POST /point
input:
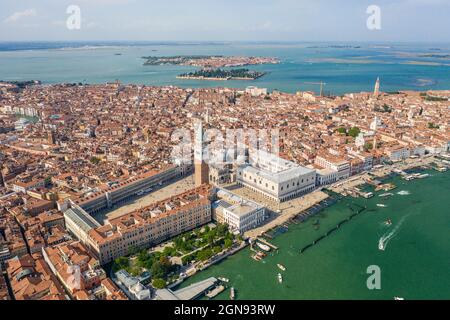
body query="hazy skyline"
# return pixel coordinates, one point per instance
(226, 20)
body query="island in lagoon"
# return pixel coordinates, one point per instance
(204, 61)
(221, 74)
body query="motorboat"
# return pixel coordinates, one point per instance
(232, 293)
(281, 267)
(263, 247)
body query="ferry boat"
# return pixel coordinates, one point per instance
(281, 267)
(280, 278)
(263, 247)
(232, 293)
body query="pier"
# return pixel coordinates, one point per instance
(189, 293)
(267, 243)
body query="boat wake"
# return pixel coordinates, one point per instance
(388, 236)
(404, 193)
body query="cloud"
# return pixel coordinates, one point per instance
(20, 14)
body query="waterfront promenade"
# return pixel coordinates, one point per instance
(282, 213)
(362, 178)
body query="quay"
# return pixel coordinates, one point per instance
(301, 205)
(347, 187)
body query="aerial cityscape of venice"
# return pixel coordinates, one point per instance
(224, 151)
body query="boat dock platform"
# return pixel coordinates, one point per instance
(215, 292)
(192, 292)
(267, 243)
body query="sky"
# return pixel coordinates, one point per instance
(225, 20)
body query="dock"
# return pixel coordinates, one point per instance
(192, 292)
(267, 243)
(215, 292)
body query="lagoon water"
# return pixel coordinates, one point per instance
(414, 265)
(343, 67)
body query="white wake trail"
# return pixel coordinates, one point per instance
(388, 236)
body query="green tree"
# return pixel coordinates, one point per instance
(368, 146)
(122, 263)
(205, 254)
(228, 243)
(159, 283)
(354, 132)
(342, 130)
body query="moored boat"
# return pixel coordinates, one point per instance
(263, 247)
(384, 195)
(281, 267)
(232, 293)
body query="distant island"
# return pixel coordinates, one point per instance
(220, 74)
(436, 55)
(204, 61)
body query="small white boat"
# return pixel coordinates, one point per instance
(398, 298)
(388, 222)
(381, 245)
(232, 293)
(384, 195)
(280, 278)
(263, 247)
(281, 267)
(224, 280)
(381, 205)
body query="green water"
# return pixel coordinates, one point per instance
(414, 265)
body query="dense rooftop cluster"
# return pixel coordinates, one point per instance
(79, 142)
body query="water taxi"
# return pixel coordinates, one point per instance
(263, 247)
(384, 195)
(283, 268)
(280, 278)
(215, 292)
(232, 293)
